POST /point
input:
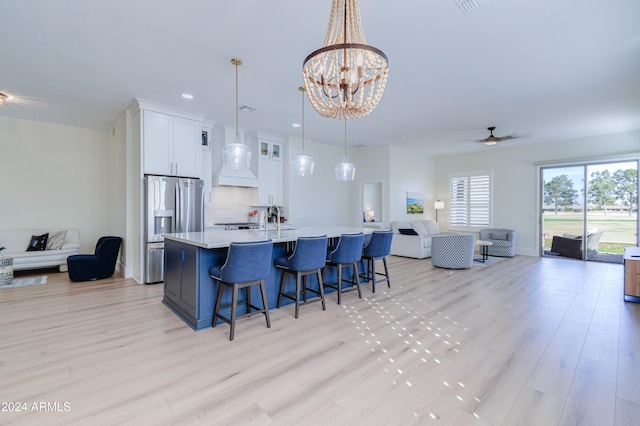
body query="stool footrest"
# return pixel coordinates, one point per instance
(292, 296)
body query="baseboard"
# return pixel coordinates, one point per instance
(527, 252)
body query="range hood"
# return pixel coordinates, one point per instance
(234, 177)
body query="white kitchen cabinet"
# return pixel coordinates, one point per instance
(269, 150)
(270, 169)
(171, 145)
(270, 172)
(270, 182)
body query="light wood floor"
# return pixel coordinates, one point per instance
(531, 341)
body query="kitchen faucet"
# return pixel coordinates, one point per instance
(275, 209)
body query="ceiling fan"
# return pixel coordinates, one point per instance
(492, 140)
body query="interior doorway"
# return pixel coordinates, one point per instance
(372, 202)
(589, 211)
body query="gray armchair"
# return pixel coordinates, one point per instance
(503, 241)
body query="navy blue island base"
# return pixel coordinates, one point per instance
(190, 292)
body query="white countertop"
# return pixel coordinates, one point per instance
(218, 239)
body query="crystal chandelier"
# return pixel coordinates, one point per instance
(302, 165)
(346, 77)
(345, 171)
(236, 155)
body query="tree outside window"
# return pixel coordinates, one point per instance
(560, 192)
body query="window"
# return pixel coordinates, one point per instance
(470, 195)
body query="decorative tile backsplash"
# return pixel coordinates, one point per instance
(230, 204)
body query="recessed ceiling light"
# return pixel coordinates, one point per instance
(247, 108)
(187, 96)
(296, 124)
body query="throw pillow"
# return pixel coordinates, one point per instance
(56, 240)
(407, 231)
(38, 242)
(499, 236)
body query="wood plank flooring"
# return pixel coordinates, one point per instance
(526, 341)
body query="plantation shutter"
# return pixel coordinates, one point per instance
(470, 200)
(479, 201)
(458, 215)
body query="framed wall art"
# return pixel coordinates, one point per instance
(415, 203)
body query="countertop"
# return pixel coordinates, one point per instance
(218, 239)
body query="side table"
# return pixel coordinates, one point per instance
(632, 274)
(484, 249)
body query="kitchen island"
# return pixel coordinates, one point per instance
(189, 291)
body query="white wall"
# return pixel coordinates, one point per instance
(118, 186)
(319, 199)
(410, 171)
(515, 168)
(54, 176)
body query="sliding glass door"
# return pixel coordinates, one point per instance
(563, 210)
(589, 211)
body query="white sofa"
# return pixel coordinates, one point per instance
(417, 246)
(16, 242)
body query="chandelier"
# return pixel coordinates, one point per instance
(302, 165)
(236, 155)
(346, 77)
(345, 171)
(3, 98)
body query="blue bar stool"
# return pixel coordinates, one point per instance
(247, 264)
(377, 248)
(308, 258)
(347, 252)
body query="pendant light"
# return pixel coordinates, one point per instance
(345, 171)
(346, 77)
(302, 165)
(236, 155)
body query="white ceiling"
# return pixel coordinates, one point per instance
(544, 69)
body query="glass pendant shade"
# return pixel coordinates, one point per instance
(302, 165)
(345, 172)
(236, 155)
(346, 77)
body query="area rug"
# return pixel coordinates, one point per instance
(490, 261)
(25, 282)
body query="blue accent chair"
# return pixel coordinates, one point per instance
(308, 258)
(102, 264)
(247, 264)
(347, 252)
(377, 248)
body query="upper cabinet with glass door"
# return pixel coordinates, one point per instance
(270, 150)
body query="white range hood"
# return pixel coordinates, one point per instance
(234, 177)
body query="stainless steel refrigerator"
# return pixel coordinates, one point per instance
(172, 204)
